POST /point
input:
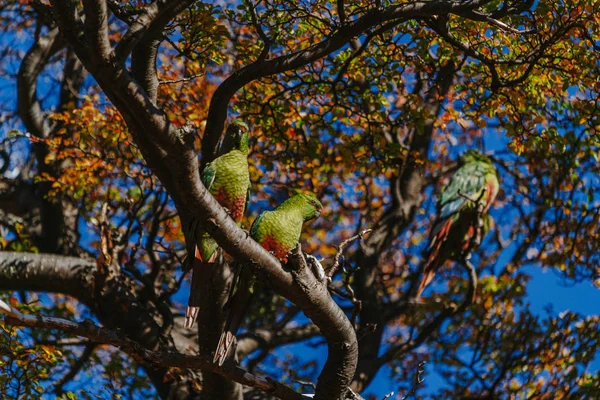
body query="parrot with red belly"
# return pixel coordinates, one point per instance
(278, 231)
(461, 210)
(228, 180)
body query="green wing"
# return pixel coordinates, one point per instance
(467, 182)
(208, 175)
(255, 226)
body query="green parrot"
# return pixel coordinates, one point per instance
(461, 213)
(278, 231)
(228, 180)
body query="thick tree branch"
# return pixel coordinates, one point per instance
(318, 305)
(34, 61)
(79, 278)
(150, 22)
(47, 273)
(96, 29)
(141, 354)
(136, 31)
(143, 61)
(151, 127)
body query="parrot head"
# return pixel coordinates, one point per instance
(236, 137)
(473, 155)
(310, 206)
(239, 127)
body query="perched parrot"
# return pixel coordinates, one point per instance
(278, 231)
(228, 180)
(461, 210)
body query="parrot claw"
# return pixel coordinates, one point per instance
(317, 268)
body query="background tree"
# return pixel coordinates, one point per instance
(108, 107)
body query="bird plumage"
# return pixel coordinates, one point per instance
(228, 180)
(461, 209)
(278, 231)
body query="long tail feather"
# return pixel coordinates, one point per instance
(428, 275)
(239, 306)
(201, 278)
(434, 260)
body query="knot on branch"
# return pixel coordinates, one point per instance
(186, 135)
(306, 268)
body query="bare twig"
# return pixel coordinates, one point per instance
(476, 201)
(336, 261)
(448, 312)
(259, 30)
(75, 368)
(418, 381)
(352, 297)
(185, 79)
(471, 294)
(140, 354)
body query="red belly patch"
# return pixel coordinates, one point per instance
(272, 245)
(234, 206)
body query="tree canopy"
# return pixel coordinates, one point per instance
(110, 109)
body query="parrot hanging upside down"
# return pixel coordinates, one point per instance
(228, 180)
(461, 207)
(278, 231)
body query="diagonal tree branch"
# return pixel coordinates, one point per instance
(142, 355)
